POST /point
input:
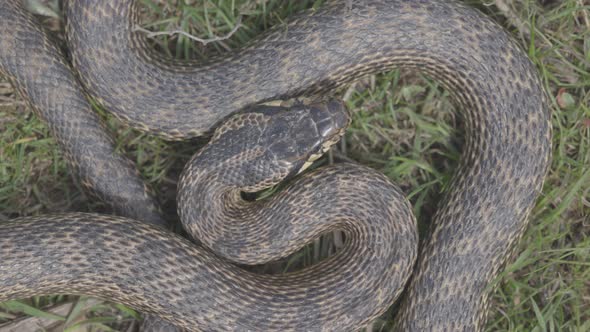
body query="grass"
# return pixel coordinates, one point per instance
(403, 125)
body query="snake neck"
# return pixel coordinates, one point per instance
(213, 210)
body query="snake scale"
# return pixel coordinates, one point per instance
(482, 215)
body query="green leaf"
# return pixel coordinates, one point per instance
(28, 310)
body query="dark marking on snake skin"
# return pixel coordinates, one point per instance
(38, 70)
(488, 200)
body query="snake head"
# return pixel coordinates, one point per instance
(300, 135)
(267, 144)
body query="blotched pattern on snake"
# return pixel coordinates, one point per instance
(483, 214)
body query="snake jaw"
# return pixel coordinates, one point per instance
(325, 147)
(331, 120)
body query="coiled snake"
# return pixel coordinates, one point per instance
(483, 214)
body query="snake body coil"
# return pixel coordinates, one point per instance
(484, 212)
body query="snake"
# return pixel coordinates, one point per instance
(481, 217)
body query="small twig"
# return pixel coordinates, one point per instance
(512, 17)
(152, 34)
(37, 7)
(584, 14)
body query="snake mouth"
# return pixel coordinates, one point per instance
(331, 120)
